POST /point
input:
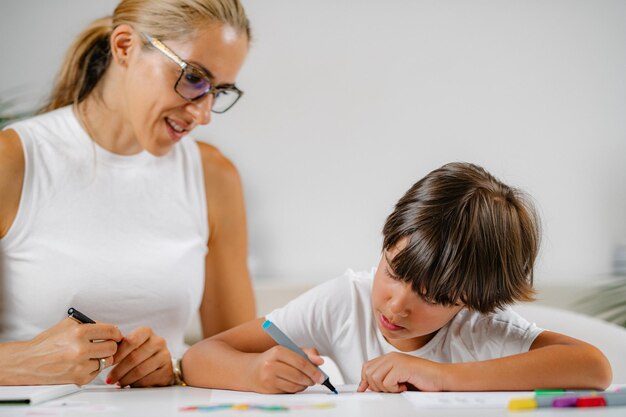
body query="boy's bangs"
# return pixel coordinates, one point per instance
(448, 274)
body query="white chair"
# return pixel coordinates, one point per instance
(609, 338)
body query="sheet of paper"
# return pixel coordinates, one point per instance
(34, 394)
(463, 399)
(316, 394)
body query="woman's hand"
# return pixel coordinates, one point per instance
(279, 370)
(67, 353)
(142, 360)
(397, 372)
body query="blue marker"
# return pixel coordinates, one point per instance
(282, 339)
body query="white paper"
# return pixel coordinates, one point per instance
(34, 394)
(312, 395)
(464, 399)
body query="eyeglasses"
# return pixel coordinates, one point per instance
(194, 83)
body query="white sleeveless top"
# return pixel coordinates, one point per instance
(123, 239)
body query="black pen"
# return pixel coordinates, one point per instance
(72, 312)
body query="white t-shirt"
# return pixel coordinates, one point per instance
(336, 318)
(123, 239)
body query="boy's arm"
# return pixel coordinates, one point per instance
(553, 361)
(245, 358)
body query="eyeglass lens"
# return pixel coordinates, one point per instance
(193, 84)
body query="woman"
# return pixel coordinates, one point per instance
(105, 206)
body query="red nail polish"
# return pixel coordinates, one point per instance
(108, 381)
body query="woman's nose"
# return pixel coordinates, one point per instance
(201, 109)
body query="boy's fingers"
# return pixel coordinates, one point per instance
(303, 365)
(314, 356)
(294, 375)
(372, 381)
(288, 386)
(362, 386)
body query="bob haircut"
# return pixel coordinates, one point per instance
(470, 239)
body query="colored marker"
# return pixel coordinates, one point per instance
(597, 401)
(282, 339)
(564, 402)
(570, 399)
(519, 404)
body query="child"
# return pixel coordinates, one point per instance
(459, 246)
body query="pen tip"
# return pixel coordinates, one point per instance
(330, 386)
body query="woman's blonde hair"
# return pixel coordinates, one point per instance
(89, 56)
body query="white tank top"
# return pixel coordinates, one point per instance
(123, 239)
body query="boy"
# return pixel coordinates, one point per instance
(459, 246)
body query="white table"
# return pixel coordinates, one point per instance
(161, 402)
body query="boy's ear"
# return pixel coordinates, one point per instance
(124, 41)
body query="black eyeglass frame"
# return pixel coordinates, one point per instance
(184, 65)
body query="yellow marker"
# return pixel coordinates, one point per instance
(240, 407)
(517, 404)
(323, 405)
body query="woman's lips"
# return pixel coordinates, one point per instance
(174, 134)
(389, 325)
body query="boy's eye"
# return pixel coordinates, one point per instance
(390, 274)
(428, 300)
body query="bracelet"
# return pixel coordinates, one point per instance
(178, 372)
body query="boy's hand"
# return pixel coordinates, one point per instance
(279, 370)
(395, 372)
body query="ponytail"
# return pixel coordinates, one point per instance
(90, 55)
(83, 66)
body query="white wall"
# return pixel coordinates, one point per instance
(349, 102)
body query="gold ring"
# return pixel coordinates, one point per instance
(102, 363)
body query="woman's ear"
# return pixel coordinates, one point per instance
(124, 40)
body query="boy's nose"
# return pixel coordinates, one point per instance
(398, 307)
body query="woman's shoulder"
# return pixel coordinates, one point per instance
(58, 124)
(11, 177)
(218, 169)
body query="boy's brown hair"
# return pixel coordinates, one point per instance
(470, 239)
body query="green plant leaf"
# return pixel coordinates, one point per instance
(607, 302)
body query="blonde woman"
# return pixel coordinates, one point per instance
(107, 206)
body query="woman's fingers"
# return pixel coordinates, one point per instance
(102, 349)
(132, 342)
(100, 331)
(153, 368)
(142, 356)
(100, 364)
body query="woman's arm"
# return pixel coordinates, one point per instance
(63, 354)
(228, 298)
(554, 361)
(11, 178)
